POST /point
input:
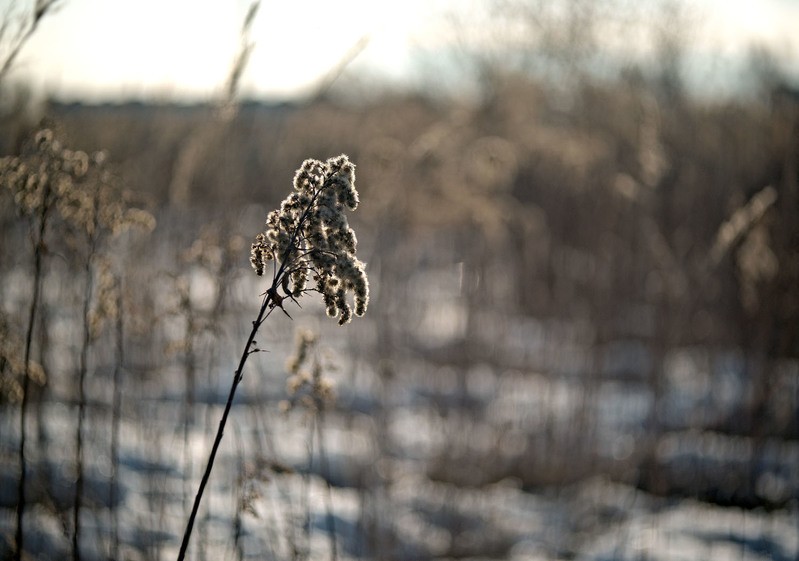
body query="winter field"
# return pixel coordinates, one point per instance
(568, 284)
(526, 440)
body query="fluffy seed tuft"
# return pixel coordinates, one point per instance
(310, 236)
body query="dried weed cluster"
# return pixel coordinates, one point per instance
(48, 176)
(70, 196)
(310, 235)
(307, 236)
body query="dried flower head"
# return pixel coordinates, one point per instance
(309, 236)
(49, 176)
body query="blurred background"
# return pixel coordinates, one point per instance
(580, 220)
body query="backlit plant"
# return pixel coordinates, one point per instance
(310, 235)
(307, 239)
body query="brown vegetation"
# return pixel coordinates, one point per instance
(532, 257)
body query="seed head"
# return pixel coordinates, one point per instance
(310, 235)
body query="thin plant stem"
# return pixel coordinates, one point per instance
(272, 300)
(38, 257)
(237, 377)
(82, 370)
(115, 423)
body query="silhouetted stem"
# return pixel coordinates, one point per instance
(237, 377)
(270, 302)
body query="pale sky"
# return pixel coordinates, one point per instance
(176, 47)
(173, 48)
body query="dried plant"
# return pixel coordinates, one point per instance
(309, 387)
(36, 179)
(49, 181)
(308, 237)
(94, 210)
(213, 256)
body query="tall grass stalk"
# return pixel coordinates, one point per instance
(308, 236)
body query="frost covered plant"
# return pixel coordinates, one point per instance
(308, 239)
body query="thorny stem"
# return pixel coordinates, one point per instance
(237, 377)
(267, 306)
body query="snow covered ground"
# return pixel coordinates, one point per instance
(513, 459)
